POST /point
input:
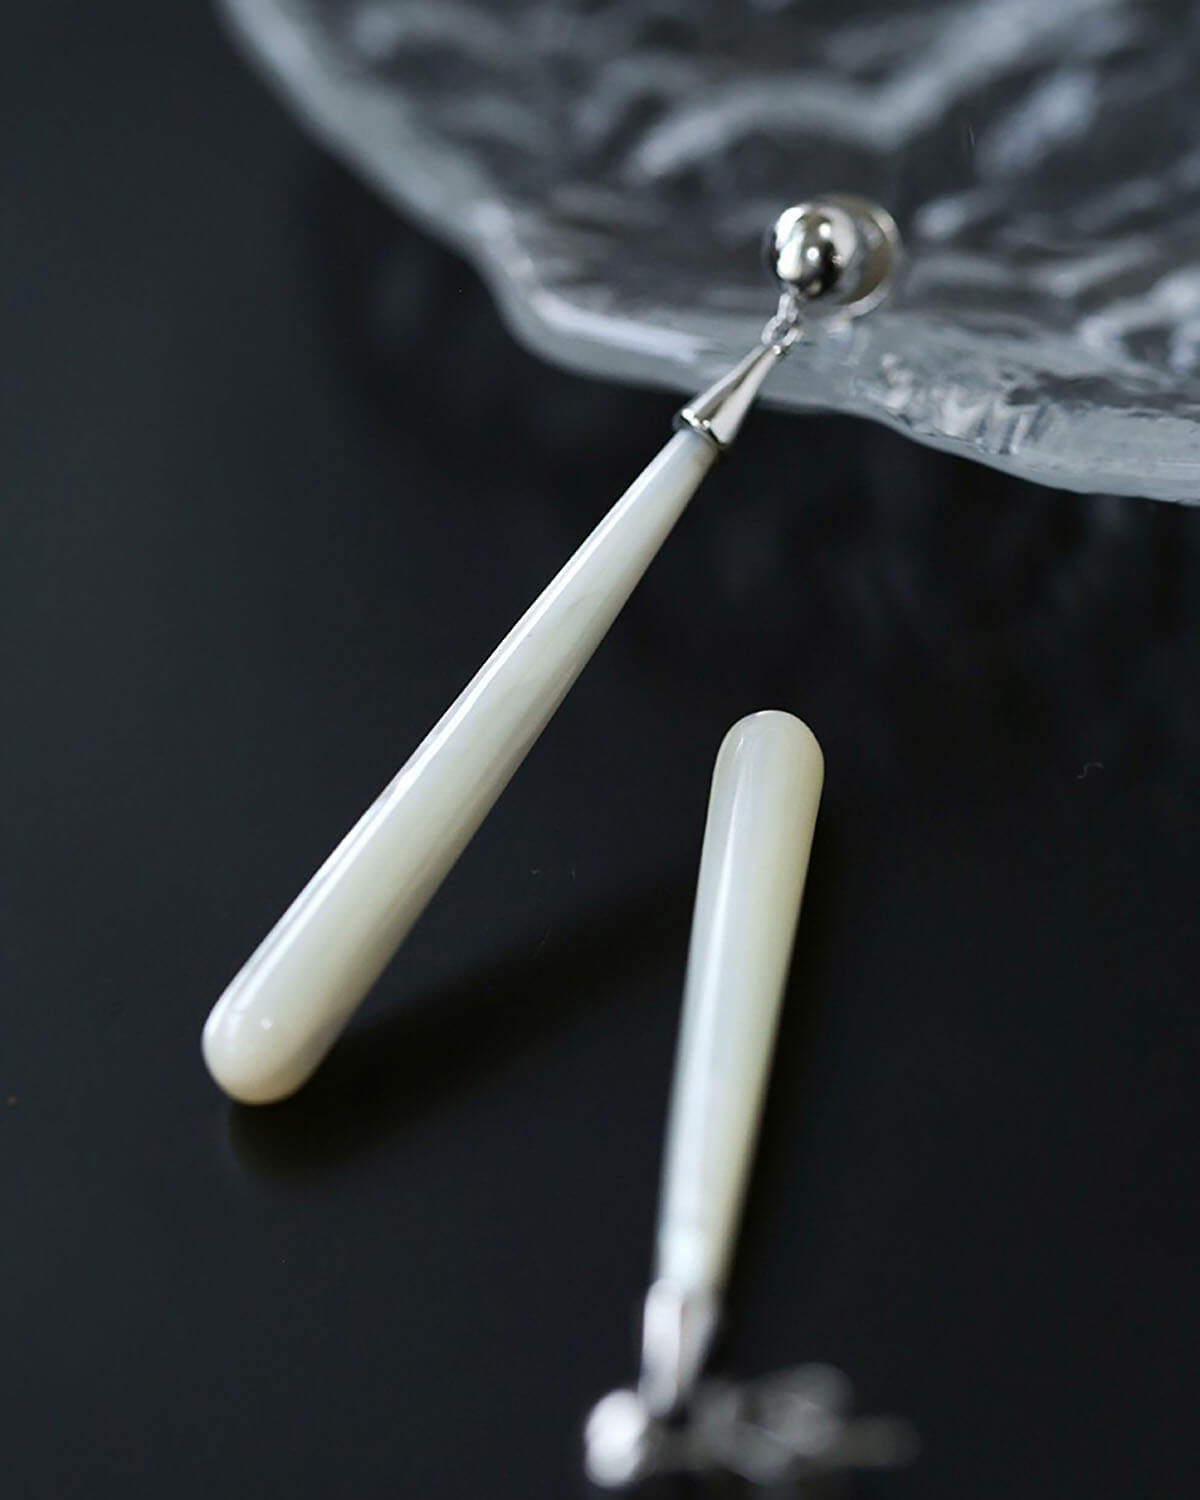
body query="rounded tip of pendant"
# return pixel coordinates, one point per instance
(838, 252)
(250, 1059)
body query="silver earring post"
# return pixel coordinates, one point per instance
(837, 254)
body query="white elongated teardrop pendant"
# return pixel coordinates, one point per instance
(283, 1011)
(761, 814)
(279, 1017)
(762, 810)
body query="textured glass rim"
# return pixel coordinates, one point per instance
(431, 184)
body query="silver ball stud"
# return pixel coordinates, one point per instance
(838, 253)
(810, 247)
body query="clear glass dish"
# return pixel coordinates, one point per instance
(611, 168)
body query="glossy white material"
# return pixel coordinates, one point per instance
(279, 1017)
(762, 811)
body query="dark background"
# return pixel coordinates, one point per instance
(273, 480)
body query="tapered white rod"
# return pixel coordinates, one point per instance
(762, 810)
(279, 1017)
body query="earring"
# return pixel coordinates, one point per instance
(283, 1011)
(762, 810)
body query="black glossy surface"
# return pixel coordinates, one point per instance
(273, 480)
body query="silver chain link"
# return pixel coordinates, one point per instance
(782, 331)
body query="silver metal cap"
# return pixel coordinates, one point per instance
(677, 1334)
(718, 413)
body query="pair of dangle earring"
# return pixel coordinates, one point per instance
(271, 1028)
